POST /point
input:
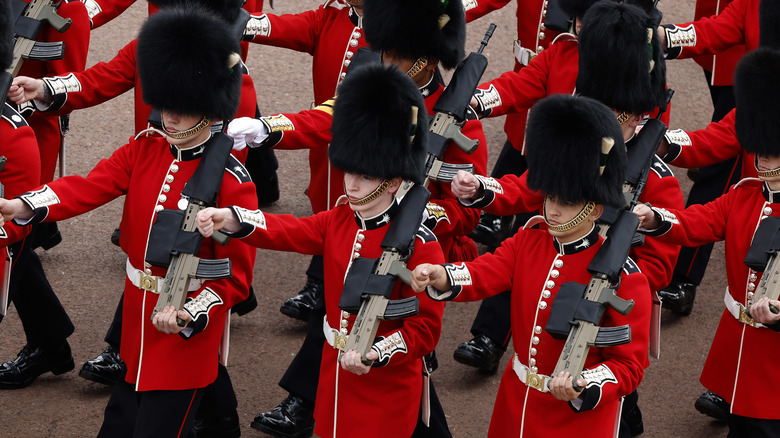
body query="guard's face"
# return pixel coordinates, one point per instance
(558, 212)
(357, 187)
(392, 57)
(175, 122)
(765, 163)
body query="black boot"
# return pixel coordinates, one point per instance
(115, 236)
(293, 418)
(268, 191)
(480, 352)
(492, 230)
(713, 405)
(33, 361)
(246, 306)
(107, 368)
(223, 427)
(299, 306)
(678, 297)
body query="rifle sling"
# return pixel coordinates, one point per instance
(766, 242)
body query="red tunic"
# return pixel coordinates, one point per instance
(332, 34)
(394, 390)
(76, 39)
(151, 177)
(531, 34)
(311, 129)
(510, 195)
(741, 357)
(721, 65)
(713, 144)
(736, 26)
(534, 268)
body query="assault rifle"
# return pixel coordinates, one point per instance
(370, 282)
(762, 257)
(178, 237)
(29, 23)
(577, 309)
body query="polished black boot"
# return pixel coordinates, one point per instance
(115, 236)
(492, 230)
(480, 352)
(222, 427)
(713, 405)
(33, 361)
(246, 306)
(268, 191)
(293, 418)
(678, 297)
(299, 306)
(107, 368)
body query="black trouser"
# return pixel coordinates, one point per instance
(711, 182)
(44, 319)
(153, 414)
(746, 427)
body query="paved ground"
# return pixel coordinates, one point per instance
(87, 271)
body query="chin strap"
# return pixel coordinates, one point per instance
(378, 191)
(587, 209)
(204, 122)
(765, 173)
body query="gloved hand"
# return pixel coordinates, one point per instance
(247, 131)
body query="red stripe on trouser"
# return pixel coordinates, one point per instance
(187, 413)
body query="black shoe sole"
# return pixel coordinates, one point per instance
(684, 310)
(471, 360)
(60, 369)
(96, 377)
(295, 313)
(711, 410)
(305, 433)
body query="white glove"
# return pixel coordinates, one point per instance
(247, 131)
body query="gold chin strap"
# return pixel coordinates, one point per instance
(622, 117)
(765, 173)
(378, 191)
(580, 218)
(417, 67)
(204, 122)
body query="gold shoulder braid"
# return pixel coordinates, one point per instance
(580, 218)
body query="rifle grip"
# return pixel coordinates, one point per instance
(220, 238)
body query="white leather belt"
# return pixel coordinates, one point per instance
(153, 283)
(737, 310)
(334, 337)
(522, 54)
(539, 382)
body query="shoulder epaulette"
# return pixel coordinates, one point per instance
(235, 168)
(660, 168)
(630, 266)
(13, 117)
(425, 234)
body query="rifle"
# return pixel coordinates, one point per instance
(370, 281)
(577, 309)
(185, 240)
(762, 257)
(29, 23)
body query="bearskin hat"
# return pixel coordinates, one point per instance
(227, 9)
(417, 28)
(564, 138)
(188, 63)
(621, 61)
(577, 8)
(373, 121)
(768, 17)
(756, 91)
(6, 35)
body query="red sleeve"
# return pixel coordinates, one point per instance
(716, 33)
(103, 11)
(478, 8)
(510, 195)
(21, 172)
(701, 223)
(308, 129)
(292, 31)
(713, 144)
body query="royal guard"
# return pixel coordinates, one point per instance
(746, 344)
(379, 134)
(173, 44)
(577, 159)
(22, 279)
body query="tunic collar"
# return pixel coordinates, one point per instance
(433, 85)
(769, 195)
(356, 18)
(191, 153)
(578, 245)
(379, 220)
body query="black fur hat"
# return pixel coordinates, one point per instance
(6, 35)
(227, 9)
(373, 124)
(188, 63)
(768, 19)
(621, 61)
(413, 28)
(564, 138)
(578, 8)
(757, 91)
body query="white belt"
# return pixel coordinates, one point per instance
(334, 337)
(523, 55)
(737, 310)
(539, 382)
(153, 283)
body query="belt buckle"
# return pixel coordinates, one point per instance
(745, 318)
(340, 342)
(148, 283)
(535, 382)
